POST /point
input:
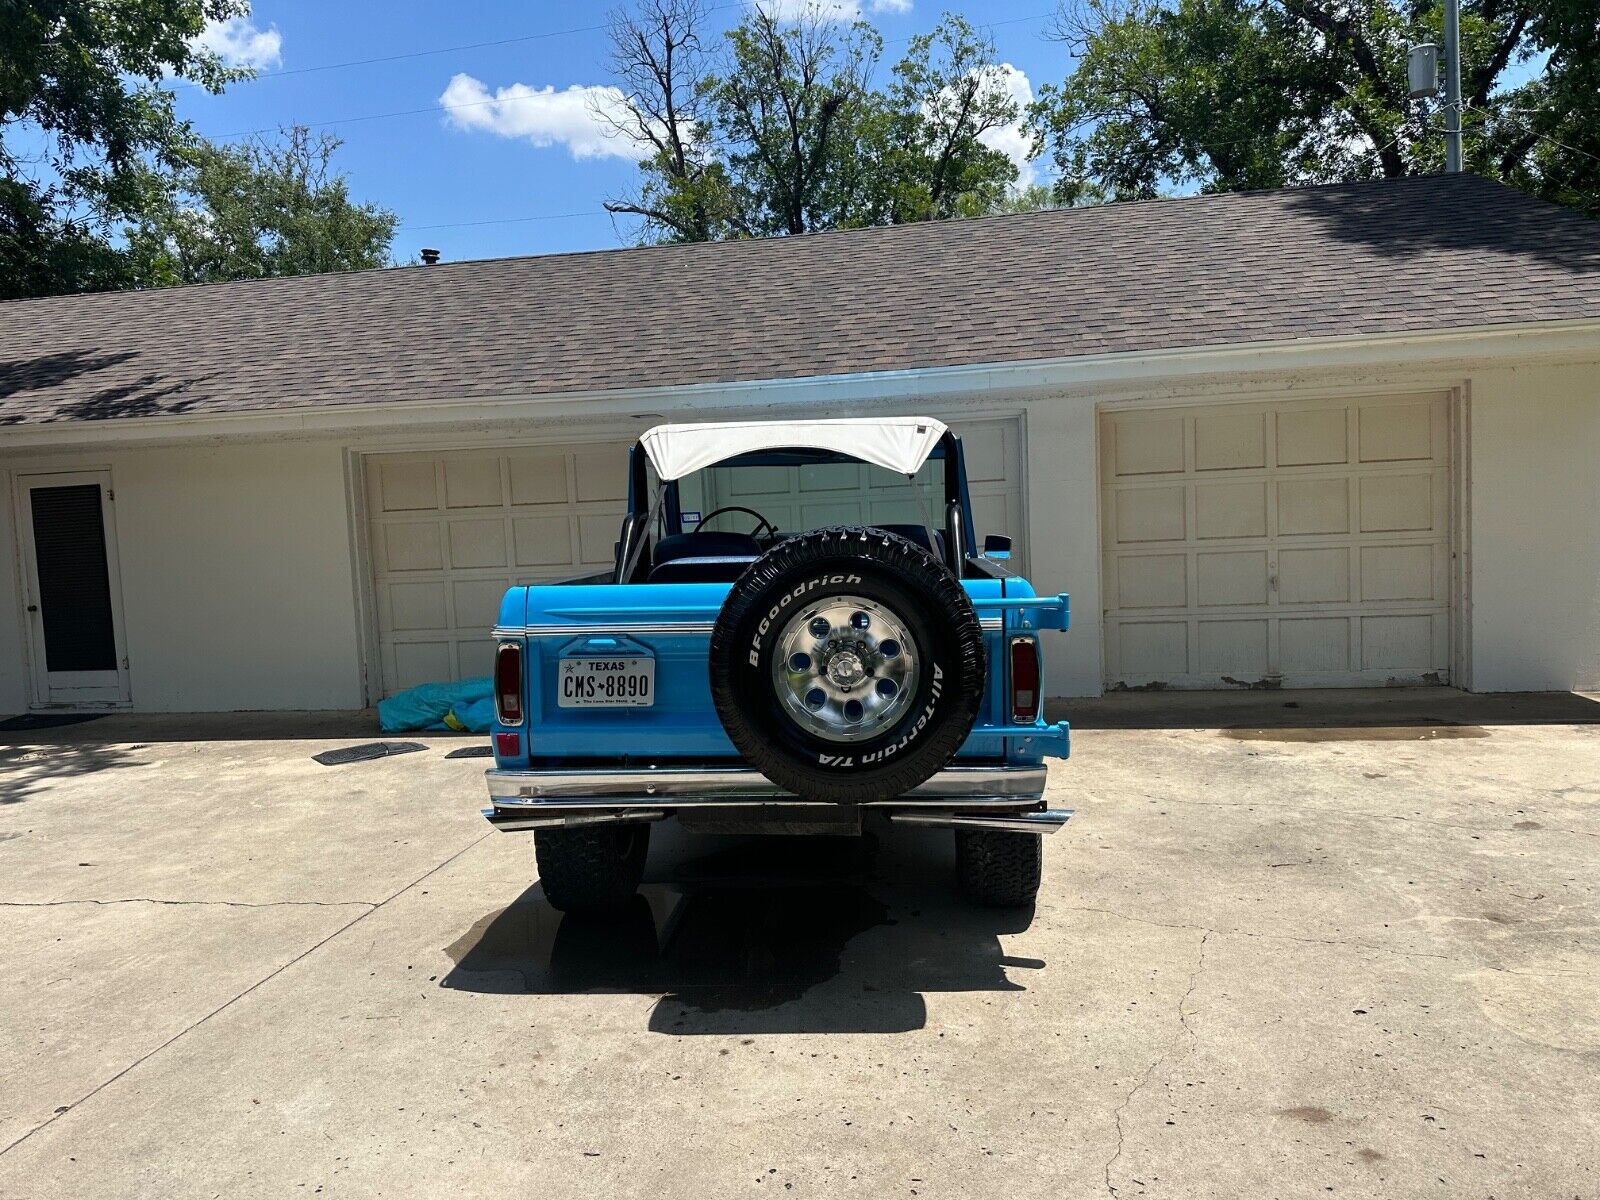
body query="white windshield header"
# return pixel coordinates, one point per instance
(899, 444)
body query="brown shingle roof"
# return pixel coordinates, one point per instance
(1410, 255)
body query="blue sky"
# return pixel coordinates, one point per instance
(442, 169)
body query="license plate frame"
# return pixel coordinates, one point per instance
(601, 681)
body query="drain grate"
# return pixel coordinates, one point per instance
(365, 752)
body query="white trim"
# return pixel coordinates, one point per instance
(1455, 350)
(361, 578)
(94, 690)
(1461, 536)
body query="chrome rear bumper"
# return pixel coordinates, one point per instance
(997, 796)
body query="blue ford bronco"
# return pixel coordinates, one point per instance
(786, 677)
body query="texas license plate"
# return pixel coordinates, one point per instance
(606, 683)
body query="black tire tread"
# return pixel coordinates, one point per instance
(874, 548)
(998, 868)
(591, 869)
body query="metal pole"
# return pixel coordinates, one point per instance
(1452, 85)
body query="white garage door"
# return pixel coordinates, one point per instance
(1303, 544)
(811, 497)
(449, 532)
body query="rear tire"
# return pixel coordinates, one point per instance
(999, 869)
(591, 869)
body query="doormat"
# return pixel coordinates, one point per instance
(364, 752)
(471, 752)
(45, 721)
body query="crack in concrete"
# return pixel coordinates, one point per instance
(229, 1003)
(1479, 964)
(195, 903)
(1357, 815)
(1160, 1060)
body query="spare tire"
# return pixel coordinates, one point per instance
(847, 665)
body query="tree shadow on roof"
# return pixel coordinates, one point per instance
(1453, 213)
(149, 394)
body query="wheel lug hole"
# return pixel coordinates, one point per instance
(820, 627)
(887, 688)
(816, 698)
(860, 620)
(800, 662)
(889, 648)
(853, 710)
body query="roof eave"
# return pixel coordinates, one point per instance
(1570, 340)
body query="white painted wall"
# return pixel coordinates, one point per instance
(1535, 536)
(1063, 516)
(237, 580)
(1533, 477)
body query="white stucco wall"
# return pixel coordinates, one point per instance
(239, 577)
(1535, 529)
(237, 581)
(1063, 515)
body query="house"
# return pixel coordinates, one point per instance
(1331, 436)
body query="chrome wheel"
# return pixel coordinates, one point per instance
(845, 668)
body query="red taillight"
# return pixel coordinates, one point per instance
(1024, 680)
(507, 745)
(508, 683)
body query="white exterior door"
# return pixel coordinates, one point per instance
(450, 532)
(1301, 544)
(72, 593)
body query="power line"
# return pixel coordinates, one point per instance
(506, 220)
(438, 50)
(413, 112)
(512, 41)
(1543, 137)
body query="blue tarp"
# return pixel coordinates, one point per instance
(464, 707)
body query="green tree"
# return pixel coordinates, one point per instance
(1234, 94)
(790, 115)
(660, 64)
(783, 130)
(947, 92)
(259, 209)
(83, 114)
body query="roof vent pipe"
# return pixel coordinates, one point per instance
(429, 256)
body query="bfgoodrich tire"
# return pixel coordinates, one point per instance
(847, 665)
(591, 868)
(999, 869)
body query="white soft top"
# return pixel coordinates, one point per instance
(899, 444)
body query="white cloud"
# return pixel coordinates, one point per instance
(579, 117)
(1013, 140)
(827, 10)
(239, 43)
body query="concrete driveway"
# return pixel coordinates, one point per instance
(1285, 961)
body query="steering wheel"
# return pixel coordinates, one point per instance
(771, 529)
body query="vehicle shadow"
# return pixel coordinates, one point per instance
(762, 935)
